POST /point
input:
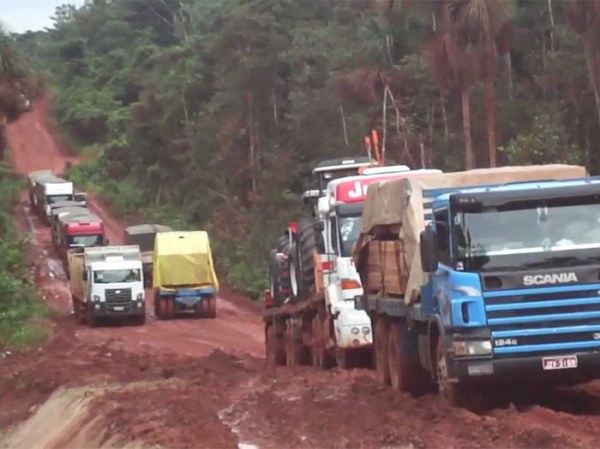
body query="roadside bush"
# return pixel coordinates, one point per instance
(20, 305)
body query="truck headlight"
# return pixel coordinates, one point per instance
(472, 348)
(96, 298)
(140, 297)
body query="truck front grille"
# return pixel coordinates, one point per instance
(529, 322)
(118, 296)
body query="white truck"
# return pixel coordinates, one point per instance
(107, 282)
(309, 309)
(47, 189)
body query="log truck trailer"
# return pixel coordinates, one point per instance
(502, 281)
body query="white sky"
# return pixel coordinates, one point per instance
(22, 15)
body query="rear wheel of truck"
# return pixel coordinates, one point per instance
(453, 393)
(80, 317)
(381, 349)
(274, 347)
(169, 307)
(302, 276)
(404, 371)
(295, 351)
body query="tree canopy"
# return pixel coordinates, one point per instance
(211, 113)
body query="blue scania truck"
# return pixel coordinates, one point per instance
(509, 289)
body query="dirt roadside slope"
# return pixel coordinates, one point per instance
(204, 384)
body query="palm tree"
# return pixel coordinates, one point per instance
(584, 17)
(481, 27)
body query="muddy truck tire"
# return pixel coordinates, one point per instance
(302, 274)
(279, 276)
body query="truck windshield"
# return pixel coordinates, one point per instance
(51, 199)
(526, 235)
(116, 276)
(349, 232)
(85, 240)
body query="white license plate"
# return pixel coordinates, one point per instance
(566, 362)
(119, 308)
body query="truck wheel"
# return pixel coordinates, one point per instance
(403, 370)
(169, 307)
(158, 312)
(342, 358)
(91, 319)
(319, 353)
(453, 393)
(139, 320)
(274, 347)
(295, 351)
(212, 306)
(80, 317)
(381, 350)
(302, 276)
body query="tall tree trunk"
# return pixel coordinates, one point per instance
(592, 58)
(509, 71)
(344, 128)
(466, 112)
(490, 97)
(444, 116)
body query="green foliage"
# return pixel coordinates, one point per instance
(210, 114)
(20, 304)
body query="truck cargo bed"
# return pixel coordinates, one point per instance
(291, 309)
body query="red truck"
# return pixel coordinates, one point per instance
(79, 231)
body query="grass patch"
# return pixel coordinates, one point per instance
(21, 307)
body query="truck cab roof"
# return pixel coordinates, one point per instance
(522, 190)
(115, 265)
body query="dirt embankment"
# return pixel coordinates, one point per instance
(204, 383)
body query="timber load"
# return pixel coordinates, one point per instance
(395, 213)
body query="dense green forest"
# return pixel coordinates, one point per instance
(209, 113)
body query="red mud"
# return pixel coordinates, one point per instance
(222, 393)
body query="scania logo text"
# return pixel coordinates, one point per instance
(555, 278)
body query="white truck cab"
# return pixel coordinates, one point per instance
(114, 280)
(340, 212)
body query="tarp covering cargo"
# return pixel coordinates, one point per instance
(143, 235)
(60, 212)
(401, 202)
(183, 259)
(35, 175)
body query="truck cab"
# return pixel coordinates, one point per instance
(111, 282)
(514, 280)
(50, 189)
(339, 212)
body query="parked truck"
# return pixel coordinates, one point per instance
(49, 189)
(32, 180)
(143, 235)
(483, 277)
(107, 282)
(309, 309)
(184, 278)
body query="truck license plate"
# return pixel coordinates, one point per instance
(566, 362)
(119, 308)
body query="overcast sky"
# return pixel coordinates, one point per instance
(22, 15)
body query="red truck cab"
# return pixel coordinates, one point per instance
(80, 232)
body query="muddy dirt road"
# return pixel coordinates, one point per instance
(204, 383)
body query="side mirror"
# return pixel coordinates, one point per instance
(84, 275)
(428, 246)
(318, 226)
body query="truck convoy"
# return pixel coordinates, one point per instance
(45, 189)
(480, 277)
(184, 278)
(143, 235)
(309, 308)
(107, 282)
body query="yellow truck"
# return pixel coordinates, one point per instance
(107, 282)
(184, 278)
